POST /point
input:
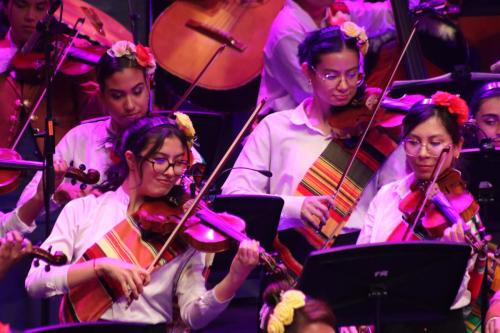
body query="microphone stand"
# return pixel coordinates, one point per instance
(48, 177)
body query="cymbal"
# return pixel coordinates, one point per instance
(98, 26)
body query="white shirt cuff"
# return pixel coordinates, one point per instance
(292, 206)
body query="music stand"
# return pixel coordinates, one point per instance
(480, 170)
(261, 214)
(94, 327)
(387, 282)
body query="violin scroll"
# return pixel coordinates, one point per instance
(56, 259)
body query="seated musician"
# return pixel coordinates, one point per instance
(107, 255)
(75, 98)
(282, 80)
(428, 128)
(306, 150)
(485, 108)
(287, 310)
(124, 74)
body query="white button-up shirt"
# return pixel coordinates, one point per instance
(85, 221)
(287, 144)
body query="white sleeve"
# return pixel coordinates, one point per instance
(376, 17)
(285, 67)
(11, 221)
(40, 283)
(367, 229)
(256, 154)
(197, 305)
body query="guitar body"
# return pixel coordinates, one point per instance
(183, 51)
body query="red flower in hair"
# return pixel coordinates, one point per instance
(144, 57)
(453, 103)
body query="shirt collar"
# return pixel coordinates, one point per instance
(403, 187)
(299, 117)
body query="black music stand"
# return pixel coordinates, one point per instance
(387, 282)
(261, 214)
(95, 327)
(480, 170)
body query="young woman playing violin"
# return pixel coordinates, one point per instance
(96, 234)
(307, 148)
(429, 128)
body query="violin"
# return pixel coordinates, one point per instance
(353, 119)
(56, 259)
(206, 231)
(10, 179)
(81, 60)
(450, 203)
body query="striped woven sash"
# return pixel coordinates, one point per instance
(322, 179)
(89, 301)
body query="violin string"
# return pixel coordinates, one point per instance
(436, 172)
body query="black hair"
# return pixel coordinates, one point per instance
(488, 90)
(422, 111)
(322, 41)
(314, 310)
(149, 130)
(108, 65)
(329, 40)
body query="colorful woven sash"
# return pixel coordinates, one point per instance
(88, 302)
(322, 179)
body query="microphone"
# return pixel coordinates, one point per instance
(265, 173)
(35, 36)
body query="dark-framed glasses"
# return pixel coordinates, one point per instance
(434, 148)
(161, 165)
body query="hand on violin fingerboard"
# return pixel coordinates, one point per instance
(315, 209)
(13, 247)
(454, 233)
(67, 192)
(60, 167)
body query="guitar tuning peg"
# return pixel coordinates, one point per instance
(83, 186)
(47, 268)
(49, 249)
(36, 262)
(82, 167)
(72, 163)
(73, 181)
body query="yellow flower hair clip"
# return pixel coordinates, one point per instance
(186, 126)
(283, 312)
(352, 30)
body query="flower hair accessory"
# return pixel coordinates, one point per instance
(141, 54)
(453, 103)
(352, 30)
(186, 126)
(283, 312)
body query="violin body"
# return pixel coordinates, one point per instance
(450, 204)
(184, 51)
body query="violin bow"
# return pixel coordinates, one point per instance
(331, 238)
(208, 184)
(428, 191)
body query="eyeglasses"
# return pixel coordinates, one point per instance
(161, 165)
(352, 78)
(412, 147)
